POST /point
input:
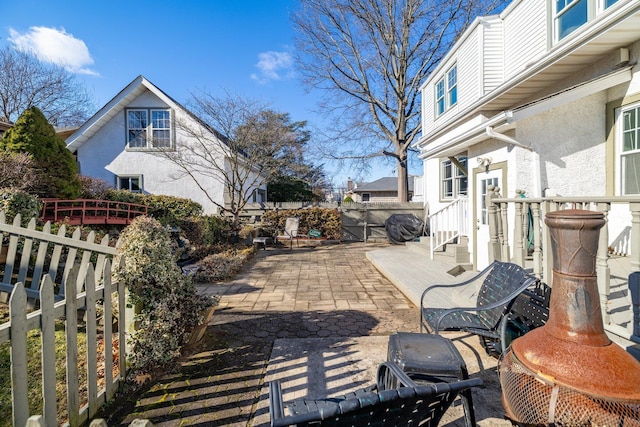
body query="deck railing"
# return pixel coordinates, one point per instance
(531, 241)
(448, 224)
(89, 211)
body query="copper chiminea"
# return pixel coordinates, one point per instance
(568, 372)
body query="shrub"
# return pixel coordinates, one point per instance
(167, 303)
(14, 201)
(93, 188)
(328, 221)
(348, 199)
(55, 165)
(170, 210)
(206, 230)
(222, 265)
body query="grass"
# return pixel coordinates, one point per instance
(35, 371)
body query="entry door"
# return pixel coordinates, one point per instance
(483, 181)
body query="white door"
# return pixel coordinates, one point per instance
(483, 181)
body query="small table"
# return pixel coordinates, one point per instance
(264, 240)
(427, 357)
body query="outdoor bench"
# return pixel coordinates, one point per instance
(28, 255)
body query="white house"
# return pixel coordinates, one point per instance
(123, 141)
(543, 98)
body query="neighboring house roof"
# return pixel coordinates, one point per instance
(383, 184)
(119, 103)
(603, 35)
(5, 126)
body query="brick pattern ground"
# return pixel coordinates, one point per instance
(301, 293)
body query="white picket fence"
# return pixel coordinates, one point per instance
(85, 291)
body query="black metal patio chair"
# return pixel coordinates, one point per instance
(498, 286)
(380, 405)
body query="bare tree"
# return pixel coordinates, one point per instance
(18, 170)
(27, 82)
(236, 141)
(370, 57)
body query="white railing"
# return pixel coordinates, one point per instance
(531, 242)
(448, 224)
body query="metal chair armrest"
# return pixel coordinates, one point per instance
(390, 376)
(525, 284)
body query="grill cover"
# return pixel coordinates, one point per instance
(403, 228)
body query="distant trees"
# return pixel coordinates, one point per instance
(239, 142)
(370, 57)
(55, 169)
(27, 82)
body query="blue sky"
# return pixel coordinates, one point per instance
(182, 47)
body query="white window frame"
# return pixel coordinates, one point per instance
(120, 178)
(593, 9)
(149, 130)
(456, 179)
(446, 91)
(623, 155)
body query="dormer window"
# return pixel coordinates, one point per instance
(571, 14)
(148, 128)
(447, 91)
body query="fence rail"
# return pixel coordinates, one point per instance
(88, 211)
(16, 331)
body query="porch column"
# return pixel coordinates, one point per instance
(504, 226)
(538, 270)
(492, 214)
(518, 237)
(602, 264)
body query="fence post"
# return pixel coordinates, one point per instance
(19, 386)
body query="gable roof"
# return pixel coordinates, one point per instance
(389, 183)
(119, 103)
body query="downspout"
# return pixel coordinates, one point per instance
(536, 158)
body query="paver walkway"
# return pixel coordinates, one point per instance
(283, 297)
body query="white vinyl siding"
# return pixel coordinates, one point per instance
(525, 35)
(468, 60)
(493, 58)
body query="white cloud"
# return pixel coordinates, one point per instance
(54, 46)
(273, 66)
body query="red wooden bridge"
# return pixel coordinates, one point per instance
(90, 211)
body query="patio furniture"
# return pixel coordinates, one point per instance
(379, 405)
(429, 358)
(289, 232)
(498, 286)
(530, 310)
(262, 240)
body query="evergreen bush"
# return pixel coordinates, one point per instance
(167, 303)
(55, 165)
(14, 201)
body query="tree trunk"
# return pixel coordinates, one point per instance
(403, 180)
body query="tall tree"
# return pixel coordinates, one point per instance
(370, 57)
(54, 165)
(238, 141)
(27, 82)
